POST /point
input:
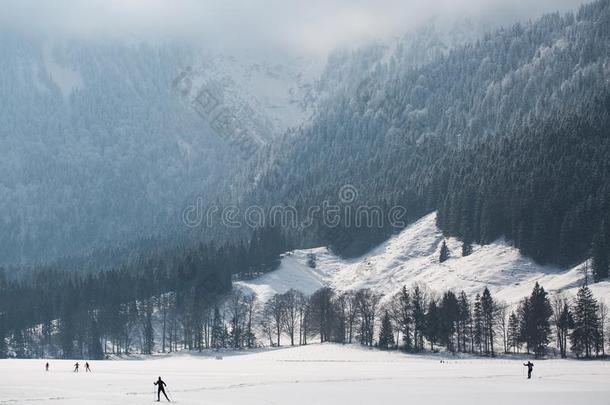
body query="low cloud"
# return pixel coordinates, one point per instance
(315, 26)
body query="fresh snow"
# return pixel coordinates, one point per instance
(67, 79)
(412, 257)
(267, 95)
(315, 374)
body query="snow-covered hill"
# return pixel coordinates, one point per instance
(412, 257)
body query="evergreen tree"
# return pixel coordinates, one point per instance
(19, 344)
(3, 345)
(66, 335)
(524, 325)
(94, 345)
(386, 334)
(311, 260)
(537, 323)
(449, 320)
(432, 323)
(465, 321)
(149, 335)
(599, 254)
(513, 332)
(477, 320)
(444, 253)
(601, 331)
(466, 248)
(218, 337)
(586, 323)
(488, 312)
(418, 299)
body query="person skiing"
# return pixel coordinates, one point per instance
(87, 368)
(46, 366)
(530, 367)
(76, 367)
(161, 389)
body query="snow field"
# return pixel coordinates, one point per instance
(314, 374)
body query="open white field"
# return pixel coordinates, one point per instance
(315, 374)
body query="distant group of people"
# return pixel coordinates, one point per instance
(76, 367)
(161, 384)
(87, 368)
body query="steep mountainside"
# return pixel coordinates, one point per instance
(97, 148)
(410, 135)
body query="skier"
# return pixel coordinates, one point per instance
(76, 367)
(530, 367)
(87, 368)
(161, 389)
(46, 367)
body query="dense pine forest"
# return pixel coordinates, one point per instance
(506, 136)
(85, 120)
(546, 190)
(53, 312)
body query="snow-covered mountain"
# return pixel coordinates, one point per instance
(97, 149)
(117, 145)
(413, 257)
(473, 134)
(269, 95)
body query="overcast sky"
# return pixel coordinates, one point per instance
(309, 26)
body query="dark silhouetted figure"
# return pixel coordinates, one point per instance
(530, 367)
(161, 389)
(46, 367)
(87, 368)
(76, 367)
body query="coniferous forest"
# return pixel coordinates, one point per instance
(52, 312)
(507, 136)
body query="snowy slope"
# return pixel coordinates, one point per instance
(412, 257)
(267, 95)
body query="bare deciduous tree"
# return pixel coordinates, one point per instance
(273, 314)
(290, 312)
(367, 302)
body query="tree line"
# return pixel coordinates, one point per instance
(59, 313)
(417, 319)
(413, 319)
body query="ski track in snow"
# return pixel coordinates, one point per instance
(412, 257)
(314, 374)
